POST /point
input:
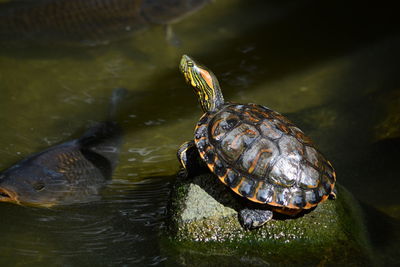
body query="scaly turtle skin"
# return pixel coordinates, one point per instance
(257, 152)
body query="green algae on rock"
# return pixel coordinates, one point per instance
(203, 222)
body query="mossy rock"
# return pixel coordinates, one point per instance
(204, 229)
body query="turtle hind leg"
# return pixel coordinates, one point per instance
(254, 218)
(189, 157)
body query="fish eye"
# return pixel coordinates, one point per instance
(39, 186)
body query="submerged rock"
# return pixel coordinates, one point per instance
(204, 228)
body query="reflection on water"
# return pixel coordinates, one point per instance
(330, 69)
(117, 230)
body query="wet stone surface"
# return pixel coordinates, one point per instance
(203, 222)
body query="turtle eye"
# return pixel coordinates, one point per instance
(38, 186)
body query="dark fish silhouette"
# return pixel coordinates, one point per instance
(67, 173)
(88, 21)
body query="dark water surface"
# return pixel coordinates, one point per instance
(331, 68)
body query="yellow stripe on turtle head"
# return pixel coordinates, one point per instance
(204, 83)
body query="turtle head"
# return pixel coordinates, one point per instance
(204, 83)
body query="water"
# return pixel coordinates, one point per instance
(333, 70)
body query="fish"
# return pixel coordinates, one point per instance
(89, 22)
(71, 172)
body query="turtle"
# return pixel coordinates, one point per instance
(255, 151)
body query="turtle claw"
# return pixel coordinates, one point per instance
(254, 218)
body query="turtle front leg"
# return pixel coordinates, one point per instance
(254, 218)
(189, 157)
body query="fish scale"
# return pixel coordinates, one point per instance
(87, 20)
(71, 172)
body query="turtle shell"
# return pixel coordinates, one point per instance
(264, 157)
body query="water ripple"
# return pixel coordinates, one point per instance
(125, 221)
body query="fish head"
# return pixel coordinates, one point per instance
(25, 188)
(7, 195)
